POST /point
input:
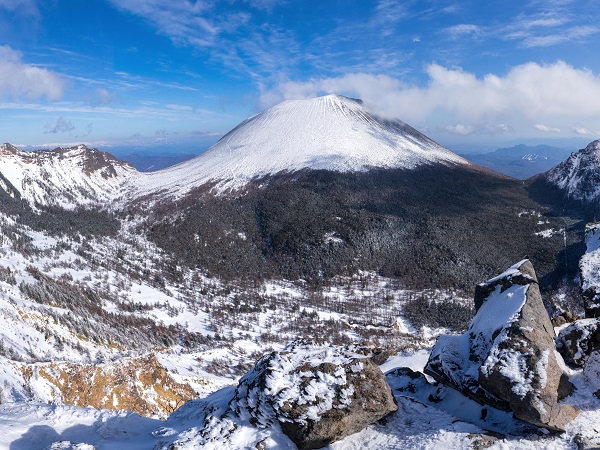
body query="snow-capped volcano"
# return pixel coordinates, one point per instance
(579, 175)
(65, 177)
(332, 133)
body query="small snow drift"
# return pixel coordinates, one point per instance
(589, 270)
(507, 357)
(578, 177)
(332, 133)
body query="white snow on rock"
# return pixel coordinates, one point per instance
(331, 132)
(589, 264)
(579, 175)
(64, 177)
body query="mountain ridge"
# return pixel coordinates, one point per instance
(64, 177)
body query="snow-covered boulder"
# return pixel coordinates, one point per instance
(507, 357)
(589, 269)
(318, 393)
(578, 340)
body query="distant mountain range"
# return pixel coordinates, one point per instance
(153, 162)
(521, 161)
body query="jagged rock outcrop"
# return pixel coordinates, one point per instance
(577, 341)
(579, 175)
(507, 357)
(318, 393)
(141, 385)
(589, 271)
(68, 178)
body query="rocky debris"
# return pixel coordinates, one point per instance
(591, 373)
(507, 357)
(482, 441)
(587, 442)
(141, 385)
(563, 319)
(589, 270)
(68, 445)
(577, 341)
(318, 393)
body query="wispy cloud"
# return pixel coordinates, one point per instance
(551, 24)
(463, 30)
(26, 8)
(21, 80)
(583, 131)
(546, 129)
(460, 129)
(61, 125)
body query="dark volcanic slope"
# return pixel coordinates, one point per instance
(435, 226)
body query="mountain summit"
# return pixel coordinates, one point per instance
(63, 177)
(332, 133)
(579, 176)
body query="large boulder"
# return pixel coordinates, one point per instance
(577, 341)
(507, 357)
(318, 393)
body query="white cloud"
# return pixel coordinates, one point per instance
(545, 128)
(61, 125)
(20, 80)
(528, 93)
(462, 30)
(500, 128)
(582, 131)
(460, 129)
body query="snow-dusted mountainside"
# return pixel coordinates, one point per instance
(333, 132)
(579, 176)
(65, 177)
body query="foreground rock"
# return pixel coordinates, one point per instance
(507, 357)
(578, 340)
(318, 393)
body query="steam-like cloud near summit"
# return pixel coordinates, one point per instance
(529, 91)
(21, 80)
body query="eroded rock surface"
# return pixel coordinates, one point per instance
(507, 357)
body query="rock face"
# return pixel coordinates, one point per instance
(589, 270)
(318, 393)
(141, 385)
(507, 357)
(577, 341)
(579, 176)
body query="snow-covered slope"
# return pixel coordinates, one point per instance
(579, 176)
(332, 132)
(66, 177)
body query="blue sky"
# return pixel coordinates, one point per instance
(180, 73)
